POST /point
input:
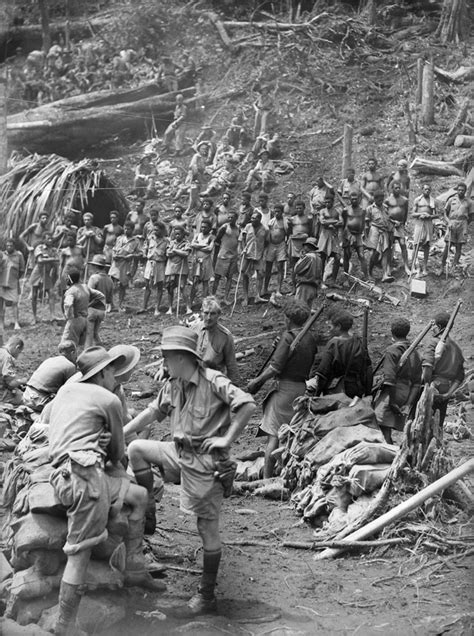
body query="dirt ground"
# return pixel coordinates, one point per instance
(268, 589)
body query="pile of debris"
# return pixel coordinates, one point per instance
(35, 531)
(339, 472)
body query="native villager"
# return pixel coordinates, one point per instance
(202, 246)
(400, 176)
(308, 272)
(177, 267)
(215, 342)
(276, 252)
(125, 251)
(424, 211)
(12, 268)
(50, 376)
(177, 128)
(379, 236)
(226, 247)
(89, 236)
(445, 369)
(350, 186)
(401, 385)
(397, 209)
(11, 385)
(76, 305)
(254, 240)
(289, 370)
(352, 237)
(156, 244)
(371, 182)
(207, 414)
(44, 275)
(111, 232)
(299, 230)
(458, 213)
(345, 365)
(86, 430)
(263, 173)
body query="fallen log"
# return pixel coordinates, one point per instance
(214, 18)
(70, 125)
(444, 196)
(458, 76)
(441, 168)
(459, 120)
(464, 141)
(274, 26)
(403, 508)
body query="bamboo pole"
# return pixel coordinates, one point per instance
(403, 508)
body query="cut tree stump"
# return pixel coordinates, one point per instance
(427, 98)
(464, 141)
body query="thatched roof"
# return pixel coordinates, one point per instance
(53, 184)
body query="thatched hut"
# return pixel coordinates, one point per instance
(55, 185)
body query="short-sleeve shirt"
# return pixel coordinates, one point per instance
(80, 413)
(7, 366)
(200, 408)
(51, 374)
(104, 284)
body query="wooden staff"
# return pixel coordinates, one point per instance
(179, 287)
(365, 327)
(441, 345)
(87, 259)
(237, 284)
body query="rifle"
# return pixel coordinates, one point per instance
(365, 327)
(441, 345)
(382, 295)
(304, 330)
(406, 354)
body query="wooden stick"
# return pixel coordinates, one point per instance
(411, 127)
(258, 336)
(314, 545)
(403, 508)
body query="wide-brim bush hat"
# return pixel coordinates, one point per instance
(180, 339)
(93, 360)
(130, 355)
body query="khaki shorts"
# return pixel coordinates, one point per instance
(75, 330)
(250, 266)
(88, 494)
(201, 492)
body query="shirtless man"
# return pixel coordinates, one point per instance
(245, 209)
(400, 176)
(33, 236)
(226, 247)
(254, 241)
(353, 233)
(424, 211)
(330, 220)
(111, 231)
(276, 248)
(263, 208)
(299, 231)
(397, 209)
(379, 236)
(62, 231)
(289, 207)
(177, 128)
(349, 186)
(372, 181)
(458, 213)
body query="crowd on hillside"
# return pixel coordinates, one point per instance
(87, 66)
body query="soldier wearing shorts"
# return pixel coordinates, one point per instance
(276, 251)
(207, 414)
(86, 430)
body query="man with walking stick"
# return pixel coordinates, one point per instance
(90, 238)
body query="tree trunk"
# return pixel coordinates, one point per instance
(441, 168)
(347, 149)
(3, 121)
(458, 122)
(369, 8)
(44, 10)
(454, 22)
(464, 141)
(427, 98)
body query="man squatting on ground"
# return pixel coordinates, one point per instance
(207, 413)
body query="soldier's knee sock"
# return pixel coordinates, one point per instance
(69, 599)
(211, 562)
(144, 478)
